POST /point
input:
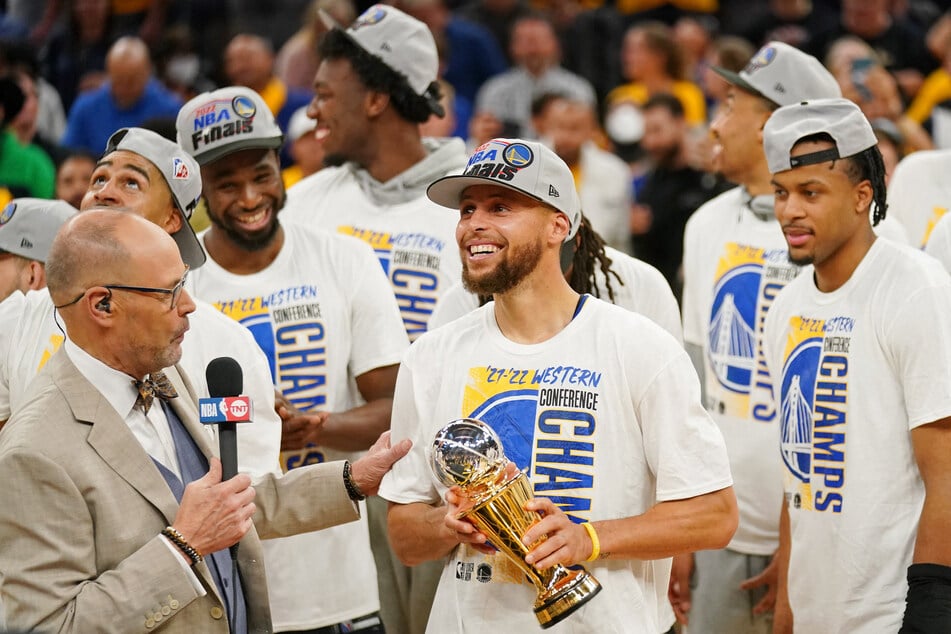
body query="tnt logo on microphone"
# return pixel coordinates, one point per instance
(227, 409)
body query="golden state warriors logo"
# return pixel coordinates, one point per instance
(763, 58)
(253, 314)
(797, 390)
(507, 401)
(243, 107)
(732, 331)
(7, 213)
(373, 15)
(518, 155)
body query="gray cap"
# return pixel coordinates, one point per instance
(28, 226)
(784, 75)
(839, 118)
(181, 173)
(527, 167)
(400, 41)
(215, 124)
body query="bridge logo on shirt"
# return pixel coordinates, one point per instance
(746, 282)
(546, 419)
(814, 391)
(411, 261)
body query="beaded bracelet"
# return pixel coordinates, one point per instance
(595, 542)
(352, 489)
(176, 538)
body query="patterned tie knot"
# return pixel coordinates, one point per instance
(156, 384)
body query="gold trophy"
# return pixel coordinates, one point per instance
(467, 453)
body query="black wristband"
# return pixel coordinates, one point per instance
(352, 489)
(176, 538)
(928, 604)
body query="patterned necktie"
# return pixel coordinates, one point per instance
(156, 384)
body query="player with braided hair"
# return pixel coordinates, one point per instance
(859, 348)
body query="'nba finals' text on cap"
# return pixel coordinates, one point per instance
(784, 75)
(227, 120)
(28, 226)
(839, 118)
(400, 41)
(180, 172)
(527, 167)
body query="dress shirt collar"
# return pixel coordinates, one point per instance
(116, 386)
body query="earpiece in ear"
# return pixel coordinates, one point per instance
(104, 305)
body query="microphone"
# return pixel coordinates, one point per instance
(225, 408)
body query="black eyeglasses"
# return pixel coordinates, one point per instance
(175, 292)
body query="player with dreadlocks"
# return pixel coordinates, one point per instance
(859, 346)
(589, 265)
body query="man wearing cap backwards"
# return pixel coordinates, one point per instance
(557, 375)
(734, 263)
(859, 346)
(27, 228)
(321, 309)
(375, 84)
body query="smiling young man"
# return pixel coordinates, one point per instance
(629, 449)
(859, 346)
(320, 308)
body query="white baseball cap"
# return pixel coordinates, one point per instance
(784, 75)
(217, 123)
(299, 124)
(180, 172)
(839, 118)
(400, 41)
(527, 167)
(28, 226)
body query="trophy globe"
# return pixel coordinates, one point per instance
(467, 452)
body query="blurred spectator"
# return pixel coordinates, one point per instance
(73, 175)
(693, 35)
(931, 107)
(891, 144)
(671, 191)
(864, 80)
(296, 62)
(249, 61)
(471, 55)
(445, 126)
(131, 96)
(141, 18)
(791, 21)
(178, 65)
(305, 150)
(25, 170)
(653, 64)
(499, 18)
(729, 52)
(503, 106)
(603, 180)
(50, 116)
(23, 125)
(75, 58)
(899, 43)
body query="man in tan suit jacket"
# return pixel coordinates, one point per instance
(84, 509)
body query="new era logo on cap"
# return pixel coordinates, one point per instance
(552, 191)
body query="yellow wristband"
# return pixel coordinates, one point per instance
(595, 543)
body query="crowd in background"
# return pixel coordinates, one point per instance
(622, 91)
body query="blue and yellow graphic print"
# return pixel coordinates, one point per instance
(814, 391)
(746, 282)
(289, 327)
(411, 262)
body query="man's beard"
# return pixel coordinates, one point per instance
(507, 274)
(252, 243)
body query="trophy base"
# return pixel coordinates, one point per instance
(569, 595)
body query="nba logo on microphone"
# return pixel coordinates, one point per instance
(227, 409)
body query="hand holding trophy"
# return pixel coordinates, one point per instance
(468, 454)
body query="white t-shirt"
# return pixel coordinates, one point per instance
(939, 245)
(919, 193)
(323, 314)
(30, 337)
(415, 239)
(641, 289)
(856, 369)
(735, 263)
(606, 417)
